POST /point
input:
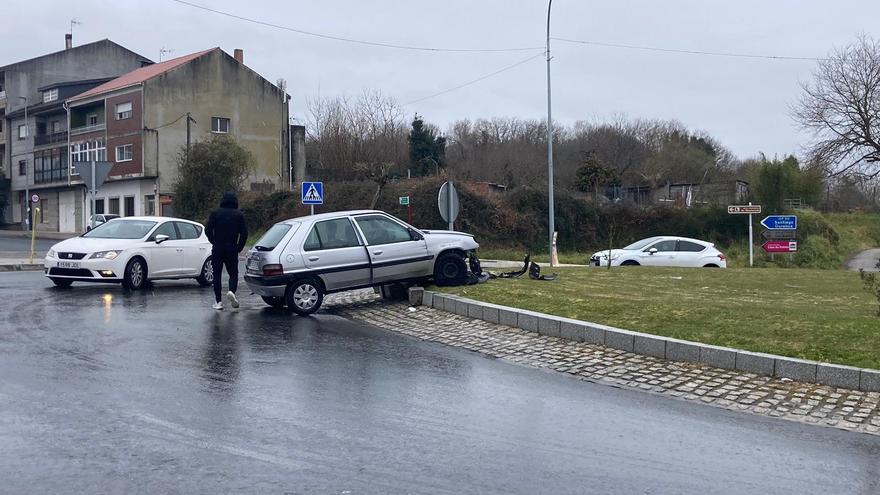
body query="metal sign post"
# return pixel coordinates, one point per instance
(749, 210)
(35, 199)
(404, 201)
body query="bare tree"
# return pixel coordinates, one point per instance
(841, 108)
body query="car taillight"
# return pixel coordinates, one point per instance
(271, 270)
(721, 255)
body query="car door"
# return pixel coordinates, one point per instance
(165, 259)
(396, 252)
(664, 255)
(194, 251)
(333, 251)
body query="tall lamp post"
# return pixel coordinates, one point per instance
(27, 192)
(552, 218)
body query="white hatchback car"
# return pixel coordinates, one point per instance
(663, 251)
(133, 251)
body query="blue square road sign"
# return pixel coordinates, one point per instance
(312, 193)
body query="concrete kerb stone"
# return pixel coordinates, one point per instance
(756, 362)
(719, 357)
(869, 381)
(415, 295)
(838, 376)
(796, 369)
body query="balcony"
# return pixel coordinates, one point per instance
(88, 128)
(44, 139)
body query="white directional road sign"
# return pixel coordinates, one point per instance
(312, 193)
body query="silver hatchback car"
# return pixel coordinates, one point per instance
(300, 260)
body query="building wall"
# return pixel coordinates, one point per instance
(216, 85)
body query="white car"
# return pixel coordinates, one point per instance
(663, 251)
(133, 251)
(100, 219)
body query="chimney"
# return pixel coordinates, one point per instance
(68, 41)
(239, 55)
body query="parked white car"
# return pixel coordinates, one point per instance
(133, 251)
(663, 251)
(100, 219)
(300, 260)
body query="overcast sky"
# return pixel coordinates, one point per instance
(742, 102)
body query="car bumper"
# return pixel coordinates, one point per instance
(86, 270)
(267, 286)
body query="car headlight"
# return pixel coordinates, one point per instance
(107, 255)
(612, 258)
(50, 254)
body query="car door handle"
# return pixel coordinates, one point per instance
(314, 258)
(377, 252)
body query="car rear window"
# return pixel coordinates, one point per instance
(121, 229)
(272, 237)
(691, 247)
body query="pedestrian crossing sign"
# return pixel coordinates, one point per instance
(312, 193)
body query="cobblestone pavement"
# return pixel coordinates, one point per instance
(780, 398)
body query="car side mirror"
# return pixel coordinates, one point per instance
(161, 238)
(414, 235)
(652, 251)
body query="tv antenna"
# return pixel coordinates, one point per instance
(164, 51)
(73, 22)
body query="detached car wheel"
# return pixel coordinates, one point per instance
(62, 282)
(206, 277)
(304, 296)
(275, 302)
(135, 277)
(450, 269)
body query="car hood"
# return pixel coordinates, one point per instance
(92, 245)
(450, 238)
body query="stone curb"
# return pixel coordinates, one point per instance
(866, 380)
(21, 267)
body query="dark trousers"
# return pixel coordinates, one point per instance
(229, 258)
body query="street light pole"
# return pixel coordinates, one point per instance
(552, 219)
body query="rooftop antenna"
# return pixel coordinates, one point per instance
(163, 51)
(73, 22)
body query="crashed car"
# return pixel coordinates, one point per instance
(300, 260)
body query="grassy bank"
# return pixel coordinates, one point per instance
(810, 314)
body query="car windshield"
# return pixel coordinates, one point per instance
(272, 237)
(121, 229)
(640, 244)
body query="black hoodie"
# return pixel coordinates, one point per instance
(226, 227)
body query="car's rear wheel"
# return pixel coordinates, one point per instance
(206, 277)
(450, 269)
(62, 282)
(275, 302)
(630, 263)
(304, 296)
(135, 277)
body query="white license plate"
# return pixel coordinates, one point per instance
(68, 264)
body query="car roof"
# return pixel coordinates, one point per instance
(677, 238)
(160, 219)
(334, 214)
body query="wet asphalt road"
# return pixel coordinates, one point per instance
(106, 392)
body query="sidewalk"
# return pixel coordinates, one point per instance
(59, 236)
(18, 261)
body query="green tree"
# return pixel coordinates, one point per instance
(593, 174)
(214, 166)
(774, 181)
(427, 150)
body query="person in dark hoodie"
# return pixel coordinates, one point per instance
(228, 233)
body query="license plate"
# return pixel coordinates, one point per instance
(68, 264)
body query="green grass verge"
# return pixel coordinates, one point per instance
(812, 314)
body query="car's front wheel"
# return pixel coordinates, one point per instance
(304, 296)
(206, 277)
(630, 263)
(135, 277)
(450, 269)
(62, 282)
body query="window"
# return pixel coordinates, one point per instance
(166, 228)
(381, 230)
(123, 153)
(332, 234)
(88, 151)
(50, 95)
(50, 166)
(274, 235)
(690, 247)
(129, 206)
(149, 205)
(99, 206)
(1, 125)
(123, 111)
(121, 229)
(22, 167)
(219, 125)
(92, 119)
(55, 127)
(188, 230)
(43, 205)
(114, 206)
(663, 246)
(22, 131)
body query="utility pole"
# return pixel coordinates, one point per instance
(552, 217)
(188, 134)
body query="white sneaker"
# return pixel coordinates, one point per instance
(233, 301)
(218, 306)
